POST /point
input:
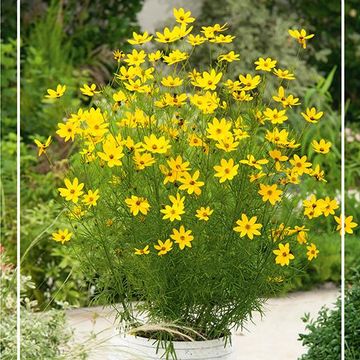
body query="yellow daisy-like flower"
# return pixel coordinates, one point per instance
(143, 160)
(191, 183)
(163, 247)
(265, 64)
(112, 153)
(322, 146)
(156, 145)
(311, 115)
(89, 90)
(204, 213)
(135, 58)
(300, 164)
(270, 193)
(229, 57)
(182, 16)
(208, 80)
(226, 170)
(283, 255)
(54, 94)
(42, 146)
(301, 36)
(72, 191)
(143, 251)
(68, 130)
(248, 227)
(251, 161)
(170, 81)
(62, 235)
(328, 206)
(137, 204)
(139, 39)
(219, 130)
(284, 74)
(312, 252)
(182, 237)
(275, 116)
(91, 198)
(175, 57)
(249, 82)
(347, 225)
(155, 56)
(195, 40)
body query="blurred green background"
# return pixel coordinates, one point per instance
(71, 42)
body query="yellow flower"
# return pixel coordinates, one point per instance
(139, 39)
(172, 212)
(312, 207)
(62, 235)
(311, 115)
(168, 36)
(247, 227)
(156, 145)
(195, 40)
(300, 36)
(241, 96)
(182, 16)
(135, 58)
(191, 183)
(155, 56)
(226, 170)
(143, 251)
(91, 198)
(275, 116)
(204, 213)
(143, 160)
(68, 130)
(175, 56)
(283, 255)
(312, 252)
(265, 64)
(171, 82)
(42, 147)
(54, 94)
(222, 39)
(96, 125)
(300, 164)
(251, 161)
(195, 141)
(137, 85)
(286, 101)
(328, 206)
(301, 237)
(278, 157)
(119, 97)
(174, 100)
(208, 80)
(227, 144)
(76, 212)
(232, 85)
(257, 176)
(348, 222)
(229, 57)
(182, 237)
(321, 147)
(137, 204)
(249, 82)
(270, 193)
(89, 90)
(112, 152)
(163, 247)
(178, 166)
(170, 175)
(284, 74)
(118, 55)
(219, 130)
(72, 191)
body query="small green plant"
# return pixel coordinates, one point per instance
(323, 337)
(43, 336)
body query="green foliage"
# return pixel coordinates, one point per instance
(47, 62)
(323, 337)
(43, 336)
(8, 86)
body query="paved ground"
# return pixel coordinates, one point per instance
(272, 338)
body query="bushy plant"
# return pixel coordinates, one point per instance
(183, 188)
(43, 336)
(323, 337)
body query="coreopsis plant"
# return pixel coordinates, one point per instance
(181, 195)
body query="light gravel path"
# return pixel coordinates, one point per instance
(272, 338)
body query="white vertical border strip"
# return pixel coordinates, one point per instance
(18, 277)
(342, 136)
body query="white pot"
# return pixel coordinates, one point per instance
(138, 348)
